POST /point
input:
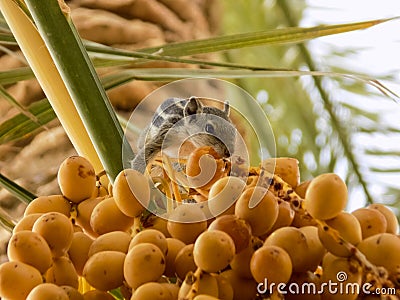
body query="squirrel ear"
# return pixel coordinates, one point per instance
(227, 108)
(192, 107)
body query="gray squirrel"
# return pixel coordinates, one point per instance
(177, 120)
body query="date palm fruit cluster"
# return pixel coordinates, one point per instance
(93, 242)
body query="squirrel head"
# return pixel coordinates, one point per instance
(207, 125)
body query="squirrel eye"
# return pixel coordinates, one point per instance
(209, 128)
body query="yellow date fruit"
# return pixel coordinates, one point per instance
(383, 250)
(84, 212)
(259, 208)
(286, 168)
(174, 246)
(79, 250)
(76, 178)
(111, 241)
(316, 250)
(372, 221)
(272, 263)
(45, 204)
(131, 192)
(238, 230)
(184, 261)
(47, 291)
(26, 223)
(348, 228)
(326, 196)
(57, 230)
(144, 263)
(301, 189)
(152, 236)
(151, 290)
(17, 280)
(30, 248)
(391, 219)
(107, 217)
(294, 242)
(62, 272)
(213, 251)
(72, 293)
(105, 270)
(285, 217)
(186, 222)
(223, 195)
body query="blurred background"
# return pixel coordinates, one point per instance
(330, 124)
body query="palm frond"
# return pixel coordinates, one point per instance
(15, 75)
(10, 99)
(382, 152)
(83, 85)
(7, 39)
(266, 37)
(20, 125)
(16, 190)
(6, 222)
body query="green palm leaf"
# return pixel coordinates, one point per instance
(266, 37)
(21, 125)
(17, 190)
(15, 75)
